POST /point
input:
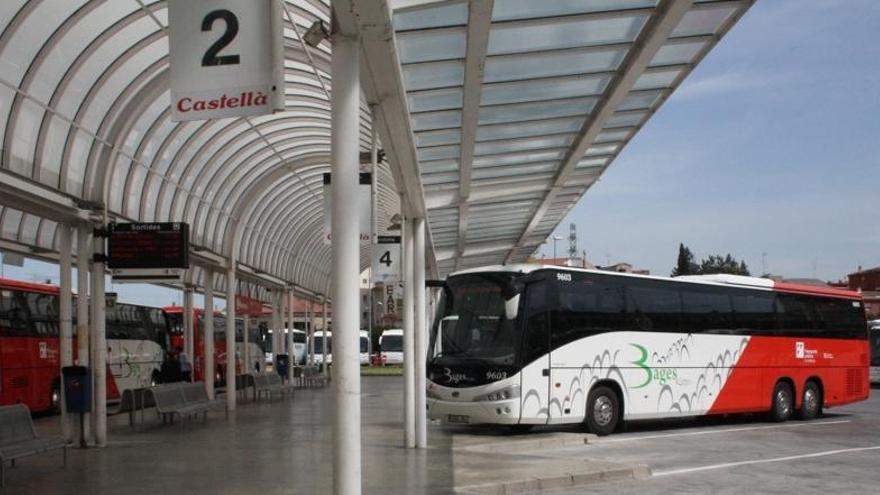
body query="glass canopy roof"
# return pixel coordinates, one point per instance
(513, 109)
(84, 111)
(559, 88)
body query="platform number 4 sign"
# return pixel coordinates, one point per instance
(226, 58)
(386, 259)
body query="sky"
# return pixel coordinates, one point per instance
(772, 145)
(769, 150)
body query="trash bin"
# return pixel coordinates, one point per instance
(77, 389)
(282, 362)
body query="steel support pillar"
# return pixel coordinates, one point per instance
(325, 370)
(208, 334)
(409, 376)
(291, 352)
(345, 123)
(99, 349)
(310, 330)
(420, 340)
(230, 336)
(83, 259)
(188, 330)
(277, 331)
(248, 366)
(65, 323)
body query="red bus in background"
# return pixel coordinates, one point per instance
(30, 345)
(175, 322)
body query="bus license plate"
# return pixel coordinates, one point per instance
(457, 418)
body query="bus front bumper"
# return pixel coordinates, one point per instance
(502, 412)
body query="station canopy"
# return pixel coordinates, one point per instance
(495, 117)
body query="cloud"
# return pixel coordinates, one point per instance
(723, 84)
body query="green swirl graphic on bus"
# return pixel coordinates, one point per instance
(661, 375)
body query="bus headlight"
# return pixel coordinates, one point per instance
(503, 394)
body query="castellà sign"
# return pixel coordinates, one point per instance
(226, 58)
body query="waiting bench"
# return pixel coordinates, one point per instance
(19, 439)
(270, 384)
(182, 400)
(133, 400)
(312, 377)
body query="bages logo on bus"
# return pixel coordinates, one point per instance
(661, 375)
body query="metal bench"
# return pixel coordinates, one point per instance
(195, 394)
(19, 439)
(170, 401)
(275, 380)
(312, 377)
(136, 399)
(265, 384)
(243, 383)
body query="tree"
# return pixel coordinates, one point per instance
(715, 263)
(686, 264)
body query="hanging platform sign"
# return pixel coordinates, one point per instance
(227, 58)
(147, 252)
(386, 259)
(363, 201)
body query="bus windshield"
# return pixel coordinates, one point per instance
(365, 344)
(471, 324)
(392, 343)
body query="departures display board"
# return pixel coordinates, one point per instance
(148, 245)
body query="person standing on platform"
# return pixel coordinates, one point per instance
(185, 365)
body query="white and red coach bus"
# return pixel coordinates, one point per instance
(30, 354)
(529, 345)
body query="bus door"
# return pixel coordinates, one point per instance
(535, 356)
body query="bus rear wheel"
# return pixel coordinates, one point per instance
(783, 402)
(603, 410)
(811, 407)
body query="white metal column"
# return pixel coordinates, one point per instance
(291, 352)
(230, 336)
(418, 289)
(188, 327)
(83, 258)
(248, 362)
(65, 323)
(208, 334)
(310, 330)
(325, 369)
(277, 331)
(345, 122)
(409, 406)
(99, 347)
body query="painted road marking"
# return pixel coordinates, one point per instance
(715, 432)
(763, 461)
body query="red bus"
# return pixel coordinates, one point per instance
(522, 345)
(175, 321)
(30, 350)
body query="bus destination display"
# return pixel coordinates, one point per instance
(148, 245)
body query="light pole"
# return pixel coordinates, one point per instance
(555, 238)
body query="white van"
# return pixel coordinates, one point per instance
(318, 338)
(366, 347)
(391, 346)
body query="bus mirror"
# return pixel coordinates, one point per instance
(511, 307)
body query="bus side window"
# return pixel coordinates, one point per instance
(654, 306)
(536, 340)
(13, 317)
(797, 318)
(44, 313)
(755, 313)
(588, 306)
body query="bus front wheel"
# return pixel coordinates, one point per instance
(603, 410)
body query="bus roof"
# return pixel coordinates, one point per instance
(8, 283)
(716, 279)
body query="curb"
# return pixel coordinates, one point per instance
(639, 471)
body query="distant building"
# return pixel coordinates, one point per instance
(868, 282)
(623, 268)
(570, 262)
